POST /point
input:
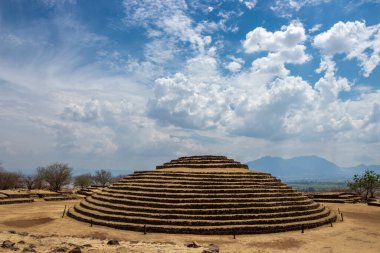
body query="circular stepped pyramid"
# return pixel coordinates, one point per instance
(202, 195)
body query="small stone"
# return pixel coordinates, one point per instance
(24, 233)
(60, 249)
(212, 249)
(113, 242)
(86, 245)
(32, 245)
(21, 242)
(29, 249)
(75, 250)
(193, 245)
(8, 244)
(12, 231)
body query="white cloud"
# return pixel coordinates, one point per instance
(315, 28)
(355, 40)
(286, 7)
(234, 66)
(329, 85)
(250, 4)
(260, 39)
(186, 102)
(265, 102)
(284, 46)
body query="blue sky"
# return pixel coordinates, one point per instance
(131, 84)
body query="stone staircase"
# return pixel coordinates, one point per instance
(335, 197)
(205, 199)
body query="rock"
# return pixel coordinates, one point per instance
(113, 242)
(29, 249)
(12, 232)
(8, 244)
(75, 250)
(194, 244)
(24, 233)
(211, 249)
(60, 249)
(21, 242)
(32, 245)
(86, 245)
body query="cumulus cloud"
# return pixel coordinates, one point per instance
(355, 40)
(265, 101)
(329, 86)
(284, 46)
(260, 39)
(235, 64)
(188, 103)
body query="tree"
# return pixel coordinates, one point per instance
(56, 175)
(356, 185)
(366, 184)
(83, 181)
(103, 177)
(372, 182)
(29, 181)
(9, 180)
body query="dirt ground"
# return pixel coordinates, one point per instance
(44, 227)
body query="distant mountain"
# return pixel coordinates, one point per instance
(307, 168)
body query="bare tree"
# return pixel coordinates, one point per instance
(83, 181)
(29, 181)
(56, 175)
(103, 177)
(9, 180)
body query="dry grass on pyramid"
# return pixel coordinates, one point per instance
(202, 195)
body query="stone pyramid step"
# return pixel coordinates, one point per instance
(201, 195)
(231, 229)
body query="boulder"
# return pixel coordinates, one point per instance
(75, 250)
(29, 249)
(193, 245)
(8, 244)
(212, 249)
(113, 242)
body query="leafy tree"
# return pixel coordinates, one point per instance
(356, 185)
(56, 175)
(103, 177)
(366, 184)
(83, 181)
(372, 182)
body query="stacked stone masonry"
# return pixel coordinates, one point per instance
(202, 201)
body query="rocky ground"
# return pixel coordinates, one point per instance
(24, 242)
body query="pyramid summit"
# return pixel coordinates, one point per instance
(201, 195)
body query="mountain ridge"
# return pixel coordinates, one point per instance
(309, 167)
